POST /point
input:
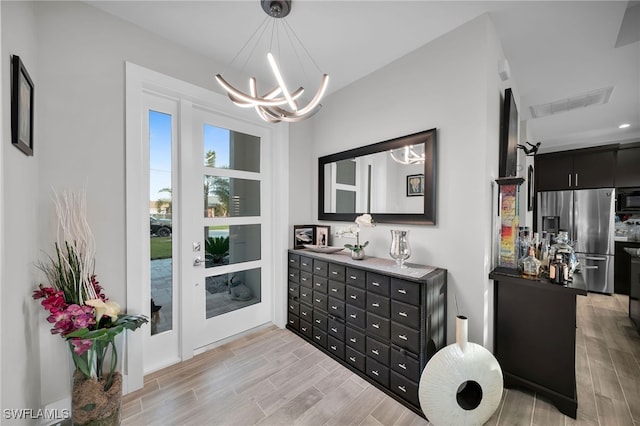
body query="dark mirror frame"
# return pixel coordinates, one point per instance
(428, 137)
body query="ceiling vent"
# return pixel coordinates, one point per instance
(594, 97)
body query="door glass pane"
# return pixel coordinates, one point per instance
(231, 197)
(229, 244)
(227, 149)
(228, 292)
(160, 208)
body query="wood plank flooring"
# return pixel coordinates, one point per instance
(273, 377)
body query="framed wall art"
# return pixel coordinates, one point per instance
(322, 235)
(415, 185)
(303, 234)
(21, 107)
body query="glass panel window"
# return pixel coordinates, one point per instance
(229, 244)
(227, 149)
(161, 229)
(228, 292)
(230, 197)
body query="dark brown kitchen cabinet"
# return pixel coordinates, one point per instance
(628, 167)
(621, 266)
(382, 325)
(578, 169)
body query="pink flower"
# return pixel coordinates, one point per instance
(54, 301)
(80, 346)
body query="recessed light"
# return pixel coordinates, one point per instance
(624, 126)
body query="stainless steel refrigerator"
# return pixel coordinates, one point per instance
(588, 215)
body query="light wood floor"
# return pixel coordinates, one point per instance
(272, 377)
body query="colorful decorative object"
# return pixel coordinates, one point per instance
(509, 221)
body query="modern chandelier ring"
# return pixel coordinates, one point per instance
(278, 104)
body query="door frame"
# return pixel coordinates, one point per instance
(137, 80)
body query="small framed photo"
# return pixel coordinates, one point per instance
(322, 235)
(21, 107)
(415, 185)
(303, 234)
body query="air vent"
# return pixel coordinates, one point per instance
(594, 97)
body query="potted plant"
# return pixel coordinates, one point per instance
(357, 249)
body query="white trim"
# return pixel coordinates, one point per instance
(139, 79)
(2, 278)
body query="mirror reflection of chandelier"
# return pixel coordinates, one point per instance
(279, 103)
(410, 154)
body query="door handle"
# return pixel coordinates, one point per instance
(576, 179)
(591, 258)
(589, 267)
(198, 261)
(569, 180)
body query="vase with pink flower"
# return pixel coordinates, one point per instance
(83, 315)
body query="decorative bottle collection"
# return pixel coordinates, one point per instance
(537, 256)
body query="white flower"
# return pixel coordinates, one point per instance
(365, 220)
(110, 309)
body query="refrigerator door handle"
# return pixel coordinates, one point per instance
(588, 267)
(591, 258)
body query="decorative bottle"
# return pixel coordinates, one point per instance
(530, 265)
(399, 250)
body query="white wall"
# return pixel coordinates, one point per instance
(451, 84)
(21, 316)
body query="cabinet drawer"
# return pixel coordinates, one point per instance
(335, 346)
(405, 291)
(294, 307)
(320, 300)
(406, 314)
(319, 283)
(356, 316)
(378, 305)
(378, 283)
(355, 296)
(378, 351)
(294, 275)
(355, 339)
(319, 320)
(306, 279)
(294, 290)
(336, 307)
(306, 295)
(336, 289)
(293, 322)
(294, 261)
(336, 328)
(306, 328)
(378, 372)
(306, 264)
(403, 363)
(336, 272)
(306, 312)
(356, 277)
(320, 268)
(405, 337)
(404, 387)
(355, 358)
(378, 326)
(319, 337)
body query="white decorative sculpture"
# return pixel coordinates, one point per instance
(461, 384)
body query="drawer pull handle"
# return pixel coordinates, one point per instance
(317, 337)
(403, 366)
(375, 351)
(335, 330)
(292, 261)
(304, 279)
(334, 272)
(353, 340)
(375, 372)
(317, 321)
(402, 388)
(353, 277)
(402, 336)
(304, 264)
(317, 268)
(335, 290)
(374, 325)
(318, 300)
(290, 306)
(304, 313)
(375, 284)
(290, 321)
(352, 358)
(354, 316)
(334, 348)
(291, 275)
(402, 314)
(335, 308)
(402, 291)
(304, 328)
(354, 297)
(375, 305)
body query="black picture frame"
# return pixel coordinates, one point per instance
(508, 160)
(22, 106)
(415, 185)
(530, 189)
(323, 236)
(303, 234)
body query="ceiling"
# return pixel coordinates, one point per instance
(556, 50)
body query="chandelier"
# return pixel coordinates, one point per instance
(280, 103)
(410, 154)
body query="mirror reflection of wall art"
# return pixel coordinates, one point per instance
(21, 107)
(415, 185)
(303, 234)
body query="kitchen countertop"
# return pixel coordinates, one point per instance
(576, 285)
(634, 252)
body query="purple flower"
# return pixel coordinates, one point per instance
(80, 346)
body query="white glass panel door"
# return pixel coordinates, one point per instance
(232, 294)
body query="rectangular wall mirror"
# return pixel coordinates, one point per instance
(394, 181)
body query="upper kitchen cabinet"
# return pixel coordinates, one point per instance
(628, 166)
(579, 169)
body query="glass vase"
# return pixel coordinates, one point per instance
(357, 254)
(400, 250)
(96, 383)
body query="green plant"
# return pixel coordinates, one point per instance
(216, 249)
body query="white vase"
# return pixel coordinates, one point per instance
(461, 384)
